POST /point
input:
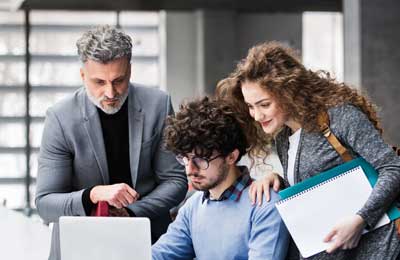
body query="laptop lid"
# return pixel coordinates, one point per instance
(105, 238)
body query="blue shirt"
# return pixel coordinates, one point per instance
(224, 229)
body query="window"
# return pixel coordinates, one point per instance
(327, 52)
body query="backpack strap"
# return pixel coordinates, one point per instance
(323, 122)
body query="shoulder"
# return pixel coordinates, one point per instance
(151, 100)
(347, 119)
(345, 112)
(69, 107)
(192, 202)
(266, 205)
(267, 211)
(148, 93)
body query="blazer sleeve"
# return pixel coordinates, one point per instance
(171, 178)
(356, 131)
(54, 195)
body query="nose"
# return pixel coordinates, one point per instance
(191, 167)
(258, 115)
(110, 91)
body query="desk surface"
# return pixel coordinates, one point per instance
(22, 237)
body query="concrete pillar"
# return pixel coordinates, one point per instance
(379, 57)
(352, 42)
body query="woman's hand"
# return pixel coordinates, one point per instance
(346, 234)
(259, 187)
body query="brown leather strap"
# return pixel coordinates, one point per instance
(323, 122)
(396, 150)
(397, 223)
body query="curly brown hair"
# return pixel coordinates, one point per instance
(259, 142)
(300, 93)
(204, 126)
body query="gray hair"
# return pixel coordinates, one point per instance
(104, 44)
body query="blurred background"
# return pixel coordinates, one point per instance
(183, 47)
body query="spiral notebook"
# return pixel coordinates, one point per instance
(310, 209)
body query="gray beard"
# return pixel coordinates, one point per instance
(108, 110)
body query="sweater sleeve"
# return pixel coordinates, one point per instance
(176, 244)
(269, 238)
(355, 130)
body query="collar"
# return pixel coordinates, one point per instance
(235, 190)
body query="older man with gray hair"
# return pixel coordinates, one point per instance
(104, 143)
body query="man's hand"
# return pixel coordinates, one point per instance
(259, 187)
(114, 212)
(346, 234)
(117, 195)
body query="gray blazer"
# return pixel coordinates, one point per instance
(357, 133)
(73, 158)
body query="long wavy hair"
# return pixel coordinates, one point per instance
(299, 92)
(259, 143)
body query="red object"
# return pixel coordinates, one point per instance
(100, 209)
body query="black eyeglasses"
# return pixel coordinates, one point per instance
(200, 162)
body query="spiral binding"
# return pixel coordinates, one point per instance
(318, 185)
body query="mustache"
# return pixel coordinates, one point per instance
(195, 175)
(105, 98)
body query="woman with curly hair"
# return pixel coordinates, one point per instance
(285, 100)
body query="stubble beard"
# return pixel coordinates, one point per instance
(110, 110)
(223, 171)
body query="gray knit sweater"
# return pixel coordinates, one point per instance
(315, 154)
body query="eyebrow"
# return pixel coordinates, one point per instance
(119, 78)
(260, 101)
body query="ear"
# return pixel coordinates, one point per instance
(232, 157)
(82, 73)
(129, 71)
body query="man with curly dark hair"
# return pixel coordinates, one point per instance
(217, 222)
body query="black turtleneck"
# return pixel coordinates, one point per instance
(115, 130)
(116, 141)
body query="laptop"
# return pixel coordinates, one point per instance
(105, 238)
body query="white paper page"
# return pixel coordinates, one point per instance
(309, 216)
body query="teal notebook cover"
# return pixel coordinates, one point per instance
(372, 176)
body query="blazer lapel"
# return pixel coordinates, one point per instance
(92, 125)
(284, 139)
(297, 160)
(136, 121)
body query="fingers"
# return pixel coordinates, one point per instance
(259, 187)
(119, 195)
(330, 235)
(346, 234)
(333, 247)
(252, 193)
(128, 198)
(265, 188)
(115, 203)
(133, 193)
(260, 194)
(126, 195)
(335, 242)
(276, 184)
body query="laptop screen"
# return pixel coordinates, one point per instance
(105, 238)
